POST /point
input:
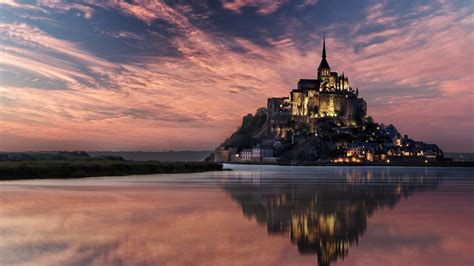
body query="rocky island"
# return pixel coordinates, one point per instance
(323, 120)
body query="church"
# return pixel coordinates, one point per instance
(323, 119)
(327, 98)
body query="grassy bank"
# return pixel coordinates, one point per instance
(41, 169)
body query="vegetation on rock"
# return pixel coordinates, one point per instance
(249, 133)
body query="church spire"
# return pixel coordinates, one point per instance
(324, 63)
(324, 45)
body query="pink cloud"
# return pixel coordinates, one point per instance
(264, 7)
(198, 99)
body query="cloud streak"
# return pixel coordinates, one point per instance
(412, 62)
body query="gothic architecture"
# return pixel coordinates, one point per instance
(322, 120)
(329, 97)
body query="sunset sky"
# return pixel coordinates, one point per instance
(160, 75)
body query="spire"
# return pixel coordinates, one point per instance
(324, 64)
(324, 45)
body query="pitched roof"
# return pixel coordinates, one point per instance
(308, 84)
(324, 63)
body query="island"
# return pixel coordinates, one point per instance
(323, 121)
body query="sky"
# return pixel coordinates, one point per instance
(161, 75)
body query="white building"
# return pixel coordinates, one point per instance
(246, 155)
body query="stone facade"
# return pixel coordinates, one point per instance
(278, 116)
(222, 155)
(330, 96)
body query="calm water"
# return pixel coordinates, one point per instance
(250, 216)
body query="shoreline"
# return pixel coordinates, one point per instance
(398, 164)
(67, 169)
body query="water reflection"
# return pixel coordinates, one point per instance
(324, 215)
(196, 219)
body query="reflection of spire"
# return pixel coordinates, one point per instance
(324, 219)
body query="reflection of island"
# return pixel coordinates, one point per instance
(324, 216)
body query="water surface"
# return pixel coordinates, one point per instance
(254, 215)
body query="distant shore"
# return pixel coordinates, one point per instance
(47, 169)
(404, 164)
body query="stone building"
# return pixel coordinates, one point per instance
(222, 155)
(330, 96)
(278, 116)
(246, 155)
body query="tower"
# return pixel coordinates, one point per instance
(324, 71)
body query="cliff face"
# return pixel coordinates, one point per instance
(306, 149)
(301, 147)
(251, 131)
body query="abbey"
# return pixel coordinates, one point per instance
(329, 97)
(322, 120)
